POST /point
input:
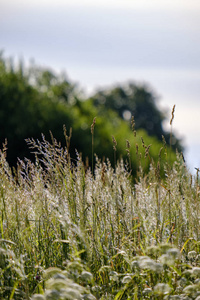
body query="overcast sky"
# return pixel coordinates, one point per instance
(103, 42)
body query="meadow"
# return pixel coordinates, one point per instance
(70, 231)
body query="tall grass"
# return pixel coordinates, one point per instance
(69, 232)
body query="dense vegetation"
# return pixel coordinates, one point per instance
(68, 233)
(118, 218)
(35, 101)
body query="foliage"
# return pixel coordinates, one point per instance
(26, 111)
(35, 100)
(140, 101)
(68, 233)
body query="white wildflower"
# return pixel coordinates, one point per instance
(196, 271)
(147, 263)
(166, 259)
(162, 289)
(150, 264)
(174, 253)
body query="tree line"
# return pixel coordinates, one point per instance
(35, 101)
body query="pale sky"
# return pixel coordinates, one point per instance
(103, 42)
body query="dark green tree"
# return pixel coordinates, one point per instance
(140, 101)
(35, 101)
(26, 110)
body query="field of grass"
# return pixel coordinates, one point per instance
(71, 232)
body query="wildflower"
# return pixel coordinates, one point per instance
(37, 277)
(196, 271)
(174, 253)
(150, 264)
(162, 289)
(158, 267)
(147, 263)
(167, 259)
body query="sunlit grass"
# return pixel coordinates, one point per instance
(69, 232)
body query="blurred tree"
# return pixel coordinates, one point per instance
(35, 101)
(141, 102)
(25, 111)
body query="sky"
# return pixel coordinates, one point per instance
(100, 43)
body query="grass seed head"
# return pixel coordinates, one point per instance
(93, 124)
(172, 116)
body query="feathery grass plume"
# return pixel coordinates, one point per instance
(171, 121)
(128, 146)
(143, 144)
(92, 132)
(114, 148)
(147, 150)
(133, 126)
(67, 139)
(164, 143)
(93, 124)
(162, 289)
(172, 114)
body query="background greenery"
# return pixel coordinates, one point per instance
(35, 100)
